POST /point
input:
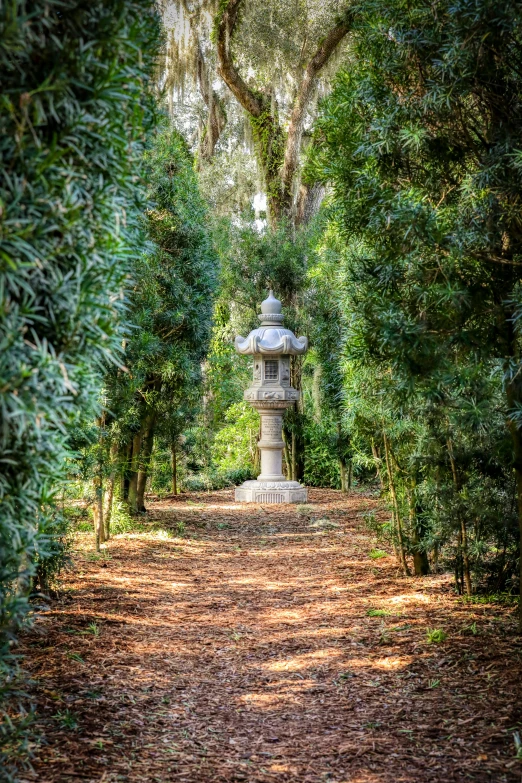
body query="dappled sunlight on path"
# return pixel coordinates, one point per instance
(267, 645)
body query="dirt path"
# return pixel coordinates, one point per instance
(243, 651)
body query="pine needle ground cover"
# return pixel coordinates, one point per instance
(222, 642)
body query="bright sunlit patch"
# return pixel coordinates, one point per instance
(410, 598)
(393, 662)
(311, 633)
(221, 506)
(304, 661)
(283, 616)
(279, 768)
(264, 699)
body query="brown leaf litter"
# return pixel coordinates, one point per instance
(243, 651)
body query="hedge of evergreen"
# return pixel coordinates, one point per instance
(75, 107)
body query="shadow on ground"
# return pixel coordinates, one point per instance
(267, 645)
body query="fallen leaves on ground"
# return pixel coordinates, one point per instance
(268, 644)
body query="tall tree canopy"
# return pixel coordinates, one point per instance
(169, 315)
(275, 60)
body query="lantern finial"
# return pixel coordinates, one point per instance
(271, 305)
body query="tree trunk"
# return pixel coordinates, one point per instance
(463, 535)
(278, 150)
(309, 202)
(316, 393)
(125, 470)
(99, 528)
(98, 513)
(144, 460)
(514, 400)
(108, 511)
(393, 493)
(294, 457)
(346, 475)
(436, 558)
(345, 467)
(133, 473)
(421, 566)
(295, 414)
(465, 558)
(141, 486)
(174, 468)
(217, 117)
(288, 462)
(377, 464)
(344, 478)
(110, 493)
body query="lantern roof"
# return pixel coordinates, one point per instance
(271, 337)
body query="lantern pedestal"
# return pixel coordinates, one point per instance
(271, 485)
(271, 492)
(271, 345)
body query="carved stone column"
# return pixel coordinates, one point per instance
(271, 346)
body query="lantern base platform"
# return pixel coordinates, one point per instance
(271, 492)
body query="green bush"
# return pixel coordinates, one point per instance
(321, 463)
(235, 445)
(74, 110)
(204, 482)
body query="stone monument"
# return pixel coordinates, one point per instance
(271, 345)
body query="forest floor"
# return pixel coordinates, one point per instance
(246, 647)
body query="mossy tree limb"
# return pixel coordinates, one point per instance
(277, 150)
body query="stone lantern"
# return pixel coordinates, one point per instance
(271, 345)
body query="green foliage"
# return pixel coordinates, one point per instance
(435, 635)
(235, 444)
(254, 261)
(321, 462)
(157, 395)
(376, 554)
(226, 373)
(420, 140)
(72, 120)
(66, 719)
(270, 141)
(170, 305)
(122, 522)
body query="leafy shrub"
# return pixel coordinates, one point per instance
(202, 482)
(436, 635)
(321, 464)
(235, 445)
(73, 114)
(376, 554)
(238, 475)
(198, 483)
